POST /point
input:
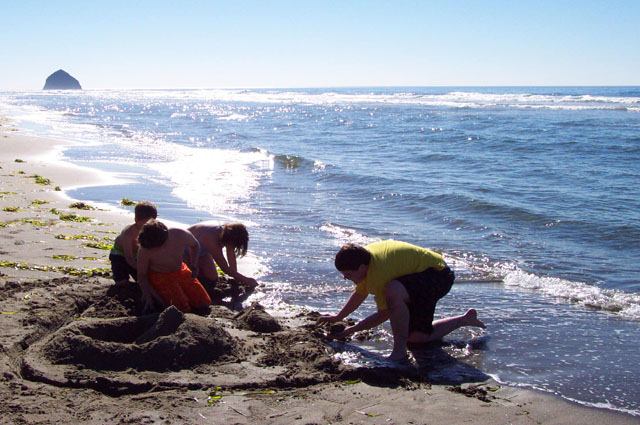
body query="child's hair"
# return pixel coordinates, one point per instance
(153, 234)
(145, 209)
(235, 234)
(351, 257)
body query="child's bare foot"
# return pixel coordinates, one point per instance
(471, 319)
(398, 357)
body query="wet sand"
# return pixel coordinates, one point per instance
(77, 349)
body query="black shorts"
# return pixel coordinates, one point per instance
(425, 289)
(120, 269)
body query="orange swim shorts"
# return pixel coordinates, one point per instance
(180, 289)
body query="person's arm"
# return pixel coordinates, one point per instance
(369, 322)
(129, 246)
(231, 258)
(148, 294)
(194, 253)
(352, 304)
(230, 268)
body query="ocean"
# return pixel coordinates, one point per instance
(532, 194)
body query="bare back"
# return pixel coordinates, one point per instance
(167, 258)
(208, 234)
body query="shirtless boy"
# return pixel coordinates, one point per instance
(162, 275)
(233, 237)
(125, 247)
(407, 282)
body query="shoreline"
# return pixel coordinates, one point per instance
(30, 237)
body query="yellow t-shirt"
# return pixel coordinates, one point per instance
(392, 259)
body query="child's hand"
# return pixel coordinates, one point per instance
(327, 319)
(251, 282)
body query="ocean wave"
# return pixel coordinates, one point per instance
(291, 162)
(459, 99)
(343, 234)
(611, 300)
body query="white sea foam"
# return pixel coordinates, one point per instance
(456, 99)
(345, 235)
(623, 303)
(453, 99)
(602, 405)
(36, 121)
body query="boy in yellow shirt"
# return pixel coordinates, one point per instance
(407, 281)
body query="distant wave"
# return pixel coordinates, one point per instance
(345, 235)
(623, 303)
(454, 99)
(291, 161)
(470, 268)
(451, 99)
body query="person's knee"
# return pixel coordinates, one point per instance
(395, 293)
(210, 275)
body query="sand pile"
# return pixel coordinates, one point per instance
(161, 342)
(90, 335)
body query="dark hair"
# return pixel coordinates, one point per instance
(351, 257)
(153, 234)
(235, 234)
(145, 209)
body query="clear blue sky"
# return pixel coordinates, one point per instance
(303, 43)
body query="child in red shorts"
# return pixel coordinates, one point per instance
(162, 275)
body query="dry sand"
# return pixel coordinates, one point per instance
(75, 349)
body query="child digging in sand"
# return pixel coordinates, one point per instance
(124, 250)
(407, 282)
(233, 237)
(162, 275)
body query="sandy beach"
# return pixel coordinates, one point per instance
(76, 349)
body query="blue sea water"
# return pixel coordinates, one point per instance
(531, 193)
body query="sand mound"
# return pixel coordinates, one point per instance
(256, 319)
(168, 341)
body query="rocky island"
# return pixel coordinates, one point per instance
(61, 80)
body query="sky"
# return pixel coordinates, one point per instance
(305, 43)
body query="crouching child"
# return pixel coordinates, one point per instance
(162, 275)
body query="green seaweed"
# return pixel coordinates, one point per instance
(126, 202)
(214, 396)
(103, 272)
(73, 217)
(54, 211)
(81, 206)
(97, 245)
(41, 180)
(76, 237)
(31, 221)
(39, 202)
(64, 257)
(11, 209)
(57, 189)
(89, 272)
(18, 160)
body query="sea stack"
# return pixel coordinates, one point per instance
(61, 80)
